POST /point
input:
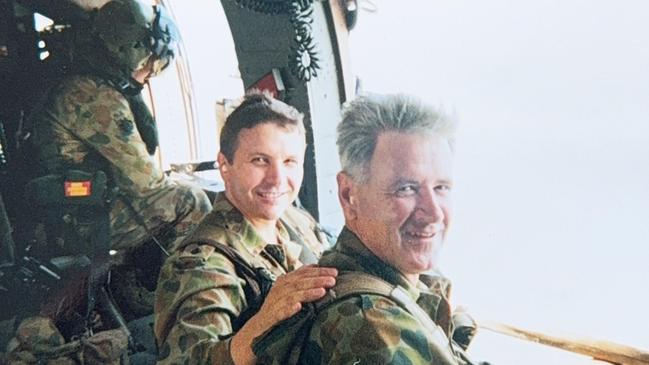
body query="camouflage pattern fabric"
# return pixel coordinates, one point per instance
(87, 124)
(371, 328)
(170, 213)
(199, 295)
(38, 341)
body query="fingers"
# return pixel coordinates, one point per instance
(279, 310)
(310, 271)
(308, 276)
(300, 288)
(293, 303)
(290, 291)
(309, 295)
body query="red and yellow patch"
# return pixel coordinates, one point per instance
(77, 188)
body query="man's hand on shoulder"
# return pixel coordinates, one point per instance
(304, 285)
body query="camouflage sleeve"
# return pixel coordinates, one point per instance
(102, 118)
(368, 329)
(198, 295)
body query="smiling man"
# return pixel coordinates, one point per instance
(389, 305)
(210, 292)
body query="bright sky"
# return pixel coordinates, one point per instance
(552, 172)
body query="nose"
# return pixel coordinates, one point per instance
(430, 206)
(275, 173)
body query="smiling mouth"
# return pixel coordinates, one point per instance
(270, 195)
(420, 234)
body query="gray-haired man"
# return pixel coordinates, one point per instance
(389, 305)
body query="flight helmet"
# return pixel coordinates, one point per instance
(132, 31)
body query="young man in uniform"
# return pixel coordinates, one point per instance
(205, 311)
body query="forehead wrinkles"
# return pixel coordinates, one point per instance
(400, 158)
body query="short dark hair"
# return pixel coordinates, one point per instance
(257, 108)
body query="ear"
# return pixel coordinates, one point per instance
(224, 166)
(347, 196)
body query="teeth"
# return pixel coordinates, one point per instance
(420, 234)
(270, 195)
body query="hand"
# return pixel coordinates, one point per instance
(285, 299)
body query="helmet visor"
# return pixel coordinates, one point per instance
(164, 40)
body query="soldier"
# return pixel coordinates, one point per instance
(389, 305)
(207, 308)
(95, 119)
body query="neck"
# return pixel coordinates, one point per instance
(412, 278)
(267, 230)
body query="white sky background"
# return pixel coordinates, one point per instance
(552, 171)
(212, 61)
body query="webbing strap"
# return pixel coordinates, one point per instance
(355, 283)
(306, 256)
(99, 268)
(241, 267)
(258, 280)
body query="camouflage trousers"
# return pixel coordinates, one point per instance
(38, 341)
(170, 214)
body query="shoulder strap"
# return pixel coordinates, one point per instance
(258, 280)
(306, 256)
(242, 268)
(285, 343)
(356, 282)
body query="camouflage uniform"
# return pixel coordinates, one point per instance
(373, 329)
(38, 341)
(85, 123)
(199, 295)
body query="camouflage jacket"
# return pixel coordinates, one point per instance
(38, 341)
(83, 116)
(85, 123)
(199, 294)
(367, 328)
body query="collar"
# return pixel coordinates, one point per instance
(251, 240)
(235, 222)
(292, 249)
(431, 291)
(350, 254)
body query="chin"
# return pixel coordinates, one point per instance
(419, 266)
(276, 212)
(270, 216)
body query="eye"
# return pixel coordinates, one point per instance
(443, 188)
(259, 161)
(407, 190)
(291, 162)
